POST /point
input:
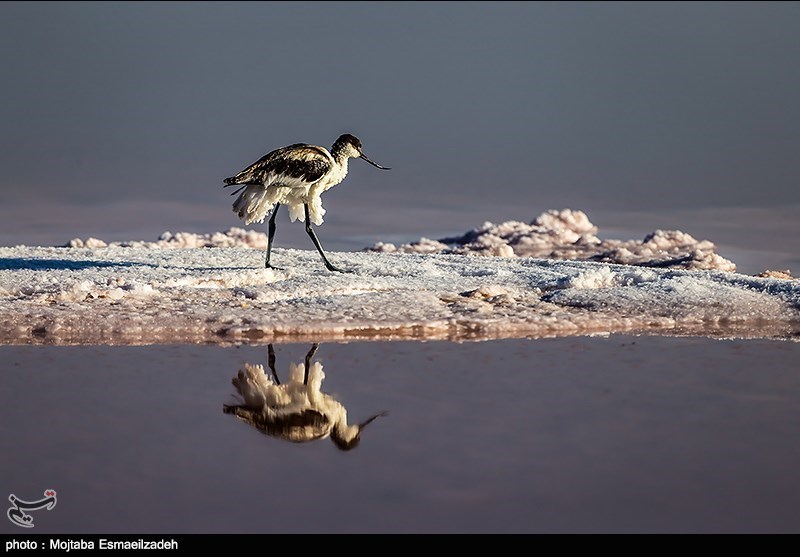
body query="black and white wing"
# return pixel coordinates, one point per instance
(295, 166)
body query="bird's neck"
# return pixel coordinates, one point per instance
(341, 160)
(339, 156)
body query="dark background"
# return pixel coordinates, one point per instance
(120, 119)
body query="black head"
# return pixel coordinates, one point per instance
(345, 439)
(350, 146)
(347, 139)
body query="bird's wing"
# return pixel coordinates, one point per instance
(297, 165)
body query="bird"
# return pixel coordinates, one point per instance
(297, 410)
(296, 175)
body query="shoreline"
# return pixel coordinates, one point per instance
(126, 295)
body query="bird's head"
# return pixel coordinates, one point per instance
(347, 437)
(350, 146)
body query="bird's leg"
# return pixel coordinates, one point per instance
(271, 363)
(271, 235)
(328, 264)
(308, 361)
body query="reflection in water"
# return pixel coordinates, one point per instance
(296, 410)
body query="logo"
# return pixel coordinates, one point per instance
(17, 515)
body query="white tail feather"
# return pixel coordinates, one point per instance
(255, 202)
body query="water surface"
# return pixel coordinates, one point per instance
(612, 434)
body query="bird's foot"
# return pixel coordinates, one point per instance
(335, 269)
(273, 267)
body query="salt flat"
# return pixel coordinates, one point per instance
(150, 294)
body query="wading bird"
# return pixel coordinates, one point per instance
(295, 176)
(297, 410)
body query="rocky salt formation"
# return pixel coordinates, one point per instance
(569, 235)
(563, 235)
(232, 238)
(146, 295)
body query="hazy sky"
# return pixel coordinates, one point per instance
(125, 117)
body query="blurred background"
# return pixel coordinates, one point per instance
(121, 119)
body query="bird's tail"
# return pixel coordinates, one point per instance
(234, 181)
(253, 203)
(253, 385)
(246, 176)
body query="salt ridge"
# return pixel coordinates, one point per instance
(171, 291)
(568, 234)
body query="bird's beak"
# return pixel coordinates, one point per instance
(363, 156)
(366, 422)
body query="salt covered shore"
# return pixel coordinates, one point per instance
(552, 277)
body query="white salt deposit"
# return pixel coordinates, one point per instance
(234, 237)
(171, 290)
(569, 234)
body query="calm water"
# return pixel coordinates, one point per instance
(617, 434)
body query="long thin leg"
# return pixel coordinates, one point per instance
(271, 363)
(308, 361)
(328, 264)
(271, 236)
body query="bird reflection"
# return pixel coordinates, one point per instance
(296, 410)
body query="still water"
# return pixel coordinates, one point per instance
(583, 434)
